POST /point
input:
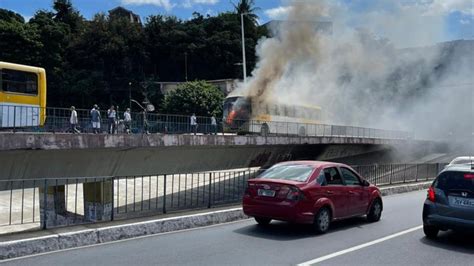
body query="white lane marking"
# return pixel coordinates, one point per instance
(371, 243)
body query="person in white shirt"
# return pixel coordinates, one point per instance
(193, 124)
(213, 125)
(73, 120)
(127, 120)
(112, 117)
(95, 119)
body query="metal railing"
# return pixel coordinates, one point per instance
(389, 174)
(276, 128)
(27, 119)
(44, 203)
(56, 202)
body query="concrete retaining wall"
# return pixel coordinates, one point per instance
(18, 248)
(48, 141)
(37, 156)
(61, 163)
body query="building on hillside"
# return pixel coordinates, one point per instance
(123, 12)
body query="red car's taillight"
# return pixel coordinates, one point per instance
(247, 190)
(295, 194)
(431, 194)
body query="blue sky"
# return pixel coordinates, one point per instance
(180, 8)
(458, 14)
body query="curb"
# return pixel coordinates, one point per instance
(24, 247)
(398, 189)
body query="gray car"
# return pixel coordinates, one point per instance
(450, 201)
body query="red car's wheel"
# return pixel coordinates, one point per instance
(375, 211)
(322, 220)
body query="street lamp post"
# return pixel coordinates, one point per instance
(130, 95)
(145, 109)
(244, 63)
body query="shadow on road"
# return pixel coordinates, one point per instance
(453, 241)
(283, 231)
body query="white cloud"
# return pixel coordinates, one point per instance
(465, 21)
(428, 7)
(191, 3)
(280, 12)
(210, 12)
(206, 2)
(27, 18)
(444, 7)
(166, 4)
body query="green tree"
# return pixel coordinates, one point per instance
(105, 58)
(167, 42)
(67, 14)
(19, 42)
(197, 97)
(10, 16)
(248, 8)
(54, 44)
(204, 47)
(93, 61)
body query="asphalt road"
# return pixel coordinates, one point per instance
(353, 242)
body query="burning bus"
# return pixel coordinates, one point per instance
(245, 115)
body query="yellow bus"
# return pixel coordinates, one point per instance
(241, 114)
(22, 95)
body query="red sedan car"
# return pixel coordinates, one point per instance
(311, 192)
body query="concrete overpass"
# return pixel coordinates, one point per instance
(46, 155)
(59, 157)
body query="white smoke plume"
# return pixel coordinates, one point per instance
(358, 73)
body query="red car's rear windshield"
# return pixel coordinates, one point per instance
(293, 172)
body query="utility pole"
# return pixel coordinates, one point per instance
(186, 66)
(244, 63)
(130, 95)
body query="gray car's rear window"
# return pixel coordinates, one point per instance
(454, 180)
(294, 172)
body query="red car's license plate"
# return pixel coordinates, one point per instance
(266, 192)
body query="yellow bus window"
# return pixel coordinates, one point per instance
(19, 81)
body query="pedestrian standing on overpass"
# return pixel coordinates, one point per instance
(213, 125)
(194, 124)
(74, 120)
(127, 120)
(95, 119)
(112, 118)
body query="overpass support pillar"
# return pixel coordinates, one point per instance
(52, 206)
(98, 200)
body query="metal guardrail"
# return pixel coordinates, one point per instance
(70, 201)
(389, 174)
(88, 200)
(27, 119)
